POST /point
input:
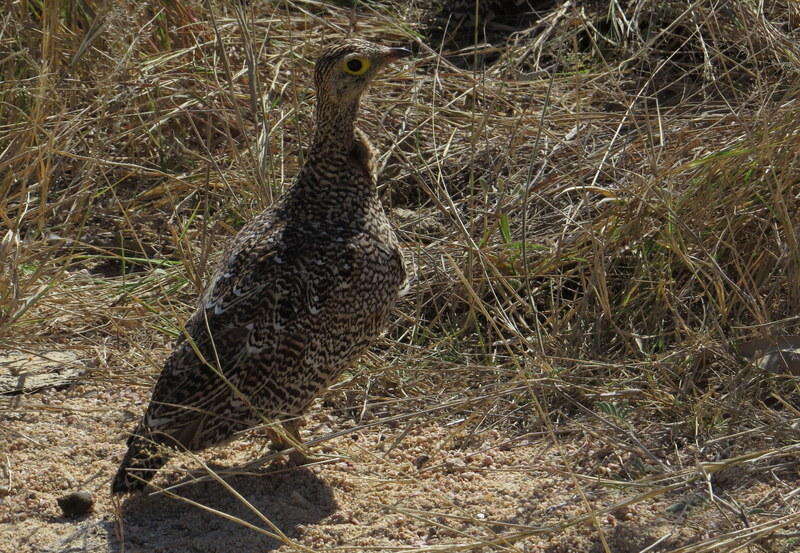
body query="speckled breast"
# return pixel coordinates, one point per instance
(352, 317)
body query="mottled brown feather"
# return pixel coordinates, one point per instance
(298, 294)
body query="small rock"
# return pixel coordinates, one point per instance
(344, 466)
(455, 464)
(781, 361)
(421, 460)
(775, 354)
(76, 504)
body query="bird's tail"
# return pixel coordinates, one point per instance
(143, 459)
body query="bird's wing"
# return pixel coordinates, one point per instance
(254, 314)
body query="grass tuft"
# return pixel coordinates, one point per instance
(599, 206)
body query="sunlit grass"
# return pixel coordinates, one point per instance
(600, 216)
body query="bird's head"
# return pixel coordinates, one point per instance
(344, 71)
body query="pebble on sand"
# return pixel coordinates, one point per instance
(76, 504)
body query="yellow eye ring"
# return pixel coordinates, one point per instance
(356, 66)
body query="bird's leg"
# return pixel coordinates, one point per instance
(285, 437)
(279, 437)
(276, 440)
(298, 456)
(290, 438)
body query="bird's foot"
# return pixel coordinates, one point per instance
(290, 438)
(299, 458)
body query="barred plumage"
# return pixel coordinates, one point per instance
(298, 295)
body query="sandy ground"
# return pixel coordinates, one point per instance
(395, 487)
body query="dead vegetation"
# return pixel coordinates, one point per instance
(600, 213)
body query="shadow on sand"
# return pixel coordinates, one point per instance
(160, 523)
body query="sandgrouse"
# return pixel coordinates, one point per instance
(298, 295)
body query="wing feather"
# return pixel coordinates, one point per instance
(246, 325)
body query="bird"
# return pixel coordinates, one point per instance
(298, 295)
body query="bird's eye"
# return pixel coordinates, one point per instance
(356, 66)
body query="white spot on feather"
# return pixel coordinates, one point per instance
(155, 422)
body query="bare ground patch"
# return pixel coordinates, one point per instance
(599, 200)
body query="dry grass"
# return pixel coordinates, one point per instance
(597, 218)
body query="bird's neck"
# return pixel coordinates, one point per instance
(337, 183)
(335, 124)
(340, 147)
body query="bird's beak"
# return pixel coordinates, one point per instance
(397, 53)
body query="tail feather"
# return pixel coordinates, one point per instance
(139, 465)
